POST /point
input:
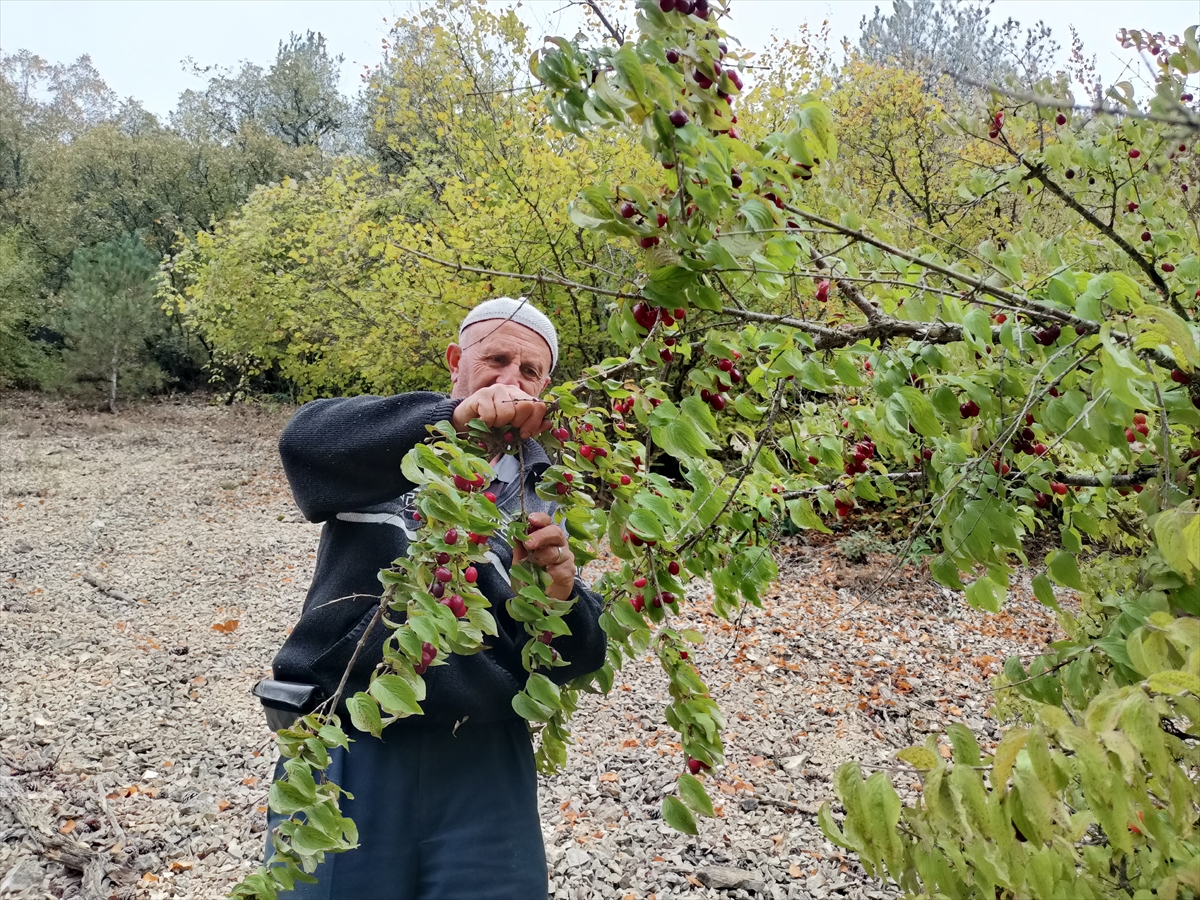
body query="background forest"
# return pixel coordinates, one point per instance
(259, 238)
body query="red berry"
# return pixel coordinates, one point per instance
(812, 460)
(455, 604)
(1168, 267)
(640, 583)
(1130, 435)
(442, 574)
(1040, 449)
(823, 291)
(461, 483)
(678, 117)
(1070, 173)
(452, 536)
(1059, 488)
(443, 558)
(628, 210)
(668, 597)
(1134, 154)
(438, 590)
(725, 365)
(662, 220)
(1060, 119)
(562, 489)
(665, 355)
(638, 603)
(1001, 318)
(718, 402)
(1179, 376)
(683, 654)
(926, 454)
(1143, 429)
(470, 575)
(672, 55)
(489, 496)
(694, 765)
(1139, 418)
(546, 637)
(705, 395)
(1131, 206)
(1040, 500)
(673, 567)
(1145, 235)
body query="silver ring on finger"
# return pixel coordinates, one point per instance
(558, 558)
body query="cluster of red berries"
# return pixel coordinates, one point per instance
(842, 507)
(428, 655)
(997, 124)
(464, 485)
(1048, 335)
(694, 765)
(864, 450)
(1026, 441)
(698, 8)
(968, 410)
(1139, 427)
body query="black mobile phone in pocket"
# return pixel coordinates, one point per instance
(286, 701)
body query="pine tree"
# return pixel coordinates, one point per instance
(111, 317)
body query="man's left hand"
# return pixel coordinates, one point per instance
(547, 547)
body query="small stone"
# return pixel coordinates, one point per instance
(25, 875)
(22, 547)
(727, 878)
(749, 804)
(577, 858)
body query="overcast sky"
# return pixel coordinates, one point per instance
(139, 45)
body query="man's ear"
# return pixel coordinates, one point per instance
(453, 357)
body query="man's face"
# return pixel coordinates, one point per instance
(498, 352)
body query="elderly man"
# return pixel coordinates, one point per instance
(445, 803)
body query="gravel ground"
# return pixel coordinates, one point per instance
(151, 562)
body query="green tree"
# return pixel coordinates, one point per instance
(1038, 377)
(111, 318)
(23, 362)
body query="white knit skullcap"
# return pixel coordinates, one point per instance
(520, 311)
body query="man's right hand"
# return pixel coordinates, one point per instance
(501, 405)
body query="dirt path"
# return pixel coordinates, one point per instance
(128, 724)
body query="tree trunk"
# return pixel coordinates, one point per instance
(112, 390)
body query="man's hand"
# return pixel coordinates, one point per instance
(499, 405)
(547, 547)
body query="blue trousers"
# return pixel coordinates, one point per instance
(439, 816)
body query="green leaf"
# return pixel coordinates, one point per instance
(364, 713)
(983, 594)
(528, 708)
(846, 371)
(919, 758)
(804, 516)
(395, 695)
(694, 795)
(829, 827)
(966, 749)
(1064, 570)
(678, 816)
(920, 412)
(544, 691)
(1172, 681)
(682, 439)
(630, 69)
(1178, 534)
(1044, 591)
(1005, 756)
(646, 525)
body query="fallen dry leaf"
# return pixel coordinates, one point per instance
(67, 827)
(227, 626)
(795, 871)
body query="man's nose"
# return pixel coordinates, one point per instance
(510, 374)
